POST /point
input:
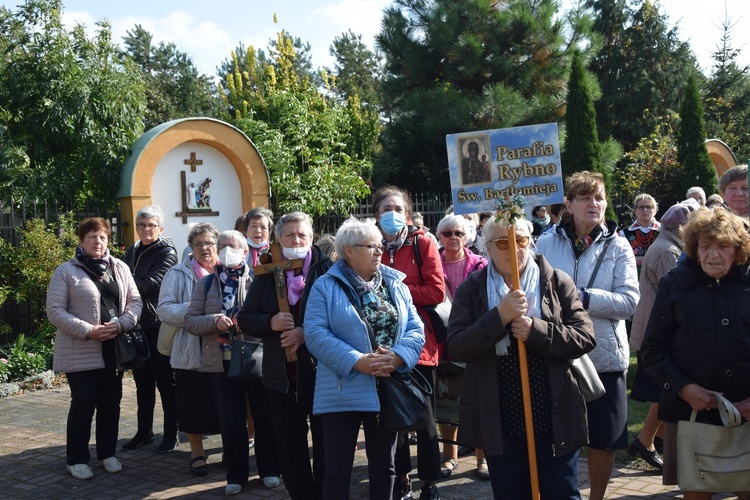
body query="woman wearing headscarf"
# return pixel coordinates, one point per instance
(290, 384)
(82, 295)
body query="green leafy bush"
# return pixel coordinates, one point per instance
(27, 357)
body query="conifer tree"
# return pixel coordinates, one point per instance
(582, 149)
(697, 167)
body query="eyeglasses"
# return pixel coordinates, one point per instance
(645, 207)
(502, 243)
(150, 227)
(372, 247)
(449, 234)
(204, 244)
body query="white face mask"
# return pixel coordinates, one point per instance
(254, 245)
(231, 257)
(295, 253)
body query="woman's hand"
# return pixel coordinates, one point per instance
(282, 322)
(104, 332)
(512, 306)
(744, 408)
(223, 322)
(293, 338)
(697, 397)
(520, 327)
(387, 362)
(365, 362)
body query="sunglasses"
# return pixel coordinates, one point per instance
(521, 241)
(449, 234)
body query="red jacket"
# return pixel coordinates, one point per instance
(426, 284)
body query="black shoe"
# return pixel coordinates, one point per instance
(138, 441)
(430, 492)
(198, 470)
(402, 490)
(464, 450)
(650, 456)
(169, 444)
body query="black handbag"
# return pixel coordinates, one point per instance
(247, 360)
(131, 349)
(439, 315)
(404, 397)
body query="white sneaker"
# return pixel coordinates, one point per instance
(80, 471)
(271, 481)
(112, 465)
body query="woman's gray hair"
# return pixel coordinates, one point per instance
(232, 236)
(149, 212)
(354, 231)
(451, 220)
(200, 228)
(294, 217)
(645, 196)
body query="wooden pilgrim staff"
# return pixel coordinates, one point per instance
(510, 211)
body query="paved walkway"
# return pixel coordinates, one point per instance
(32, 463)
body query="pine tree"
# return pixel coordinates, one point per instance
(582, 149)
(697, 167)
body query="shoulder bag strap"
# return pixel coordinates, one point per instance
(106, 300)
(599, 262)
(356, 304)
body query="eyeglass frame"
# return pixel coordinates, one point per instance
(150, 227)
(645, 207)
(459, 234)
(203, 244)
(519, 242)
(371, 247)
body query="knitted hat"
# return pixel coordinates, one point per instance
(676, 215)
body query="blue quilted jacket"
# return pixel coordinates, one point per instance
(337, 337)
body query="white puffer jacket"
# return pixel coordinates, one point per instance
(174, 300)
(73, 306)
(613, 296)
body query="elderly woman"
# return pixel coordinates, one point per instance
(487, 322)
(687, 349)
(290, 384)
(645, 229)
(458, 263)
(212, 315)
(149, 259)
(661, 257)
(346, 384)
(258, 226)
(196, 409)
(409, 251)
(84, 343)
(602, 264)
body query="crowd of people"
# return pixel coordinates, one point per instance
(359, 306)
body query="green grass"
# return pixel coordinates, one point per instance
(637, 412)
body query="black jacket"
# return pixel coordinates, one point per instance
(564, 331)
(255, 319)
(699, 332)
(148, 271)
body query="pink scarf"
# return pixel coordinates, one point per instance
(295, 285)
(198, 270)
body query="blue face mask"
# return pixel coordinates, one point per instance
(392, 222)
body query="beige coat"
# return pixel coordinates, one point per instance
(201, 315)
(73, 306)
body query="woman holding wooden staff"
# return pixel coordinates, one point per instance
(544, 318)
(602, 264)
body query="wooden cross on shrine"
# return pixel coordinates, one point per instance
(193, 161)
(278, 267)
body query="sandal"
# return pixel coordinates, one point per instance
(448, 466)
(198, 470)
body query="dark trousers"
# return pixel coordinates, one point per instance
(94, 390)
(156, 373)
(510, 476)
(428, 447)
(340, 431)
(232, 395)
(290, 427)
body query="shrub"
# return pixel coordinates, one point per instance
(27, 357)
